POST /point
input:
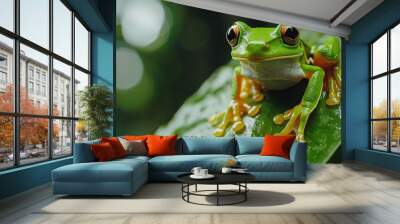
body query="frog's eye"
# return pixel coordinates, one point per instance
(290, 35)
(232, 35)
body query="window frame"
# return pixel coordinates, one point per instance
(16, 115)
(388, 74)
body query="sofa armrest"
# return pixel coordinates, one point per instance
(298, 154)
(83, 152)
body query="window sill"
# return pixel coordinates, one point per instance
(30, 166)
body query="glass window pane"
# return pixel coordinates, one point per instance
(379, 55)
(62, 29)
(6, 74)
(7, 14)
(395, 47)
(62, 89)
(81, 131)
(81, 45)
(379, 97)
(34, 96)
(395, 135)
(62, 138)
(395, 94)
(81, 81)
(6, 142)
(33, 140)
(379, 135)
(35, 21)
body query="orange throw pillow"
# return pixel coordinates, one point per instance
(135, 137)
(277, 145)
(103, 152)
(116, 145)
(161, 145)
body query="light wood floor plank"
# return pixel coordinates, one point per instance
(377, 191)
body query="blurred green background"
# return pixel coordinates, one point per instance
(189, 47)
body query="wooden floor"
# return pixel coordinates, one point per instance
(377, 188)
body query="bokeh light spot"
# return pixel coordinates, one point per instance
(142, 22)
(130, 68)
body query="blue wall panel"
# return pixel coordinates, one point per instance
(356, 83)
(102, 58)
(356, 101)
(103, 50)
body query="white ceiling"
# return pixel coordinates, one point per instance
(319, 9)
(328, 16)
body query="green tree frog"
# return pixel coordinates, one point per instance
(277, 59)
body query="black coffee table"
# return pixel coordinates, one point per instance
(238, 179)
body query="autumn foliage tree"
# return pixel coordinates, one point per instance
(379, 128)
(33, 131)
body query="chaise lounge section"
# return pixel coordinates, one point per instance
(125, 176)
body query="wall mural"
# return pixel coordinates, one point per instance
(192, 72)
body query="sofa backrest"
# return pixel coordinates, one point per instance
(240, 145)
(249, 145)
(83, 152)
(206, 145)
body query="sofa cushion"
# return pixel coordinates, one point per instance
(116, 145)
(133, 158)
(161, 145)
(206, 145)
(277, 145)
(103, 152)
(134, 147)
(249, 145)
(135, 137)
(112, 171)
(185, 163)
(257, 163)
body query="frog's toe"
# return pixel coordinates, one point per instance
(216, 119)
(300, 137)
(258, 97)
(254, 110)
(279, 119)
(333, 101)
(219, 132)
(238, 127)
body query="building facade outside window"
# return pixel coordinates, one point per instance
(43, 126)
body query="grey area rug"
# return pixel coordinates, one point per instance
(166, 198)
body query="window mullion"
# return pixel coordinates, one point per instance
(389, 104)
(371, 89)
(16, 85)
(50, 81)
(73, 82)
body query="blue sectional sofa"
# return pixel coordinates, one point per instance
(125, 176)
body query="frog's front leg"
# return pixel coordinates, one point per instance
(246, 98)
(334, 87)
(300, 113)
(327, 56)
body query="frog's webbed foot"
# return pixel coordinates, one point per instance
(247, 99)
(280, 118)
(233, 116)
(297, 117)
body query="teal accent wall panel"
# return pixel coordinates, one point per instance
(356, 128)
